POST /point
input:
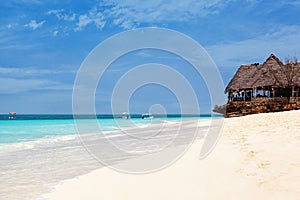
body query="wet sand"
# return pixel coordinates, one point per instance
(257, 157)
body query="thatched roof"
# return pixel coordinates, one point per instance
(271, 73)
(242, 77)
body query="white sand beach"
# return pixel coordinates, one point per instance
(257, 157)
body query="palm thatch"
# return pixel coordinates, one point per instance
(271, 73)
(242, 78)
(296, 77)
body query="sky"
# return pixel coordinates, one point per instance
(43, 44)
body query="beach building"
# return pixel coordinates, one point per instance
(268, 87)
(270, 79)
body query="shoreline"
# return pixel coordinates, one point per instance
(256, 158)
(25, 167)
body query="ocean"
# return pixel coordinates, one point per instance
(28, 127)
(37, 152)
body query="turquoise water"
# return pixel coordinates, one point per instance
(32, 127)
(34, 145)
(25, 130)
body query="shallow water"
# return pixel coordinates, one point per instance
(51, 154)
(32, 127)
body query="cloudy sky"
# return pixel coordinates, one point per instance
(43, 43)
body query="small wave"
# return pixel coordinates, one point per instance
(25, 145)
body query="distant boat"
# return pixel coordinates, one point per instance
(147, 115)
(12, 115)
(124, 115)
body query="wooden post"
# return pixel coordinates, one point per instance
(230, 96)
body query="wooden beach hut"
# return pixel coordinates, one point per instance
(270, 79)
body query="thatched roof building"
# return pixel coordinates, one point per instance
(271, 74)
(258, 88)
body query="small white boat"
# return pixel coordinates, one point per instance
(12, 115)
(125, 115)
(147, 115)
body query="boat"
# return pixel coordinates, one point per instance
(147, 115)
(12, 115)
(124, 115)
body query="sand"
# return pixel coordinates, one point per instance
(257, 157)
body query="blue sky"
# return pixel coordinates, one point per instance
(43, 43)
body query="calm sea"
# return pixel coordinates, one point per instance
(32, 127)
(37, 152)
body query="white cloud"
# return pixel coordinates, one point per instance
(9, 26)
(83, 21)
(99, 20)
(93, 17)
(294, 3)
(34, 25)
(15, 80)
(283, 42)
(55, 33)
(61, 15)
(70, 17)
(55, 12)
(131, 13)
(14, 72)
(11, 41)
(136, 12)
(289, 2)
(12, 86)
(125, 24)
